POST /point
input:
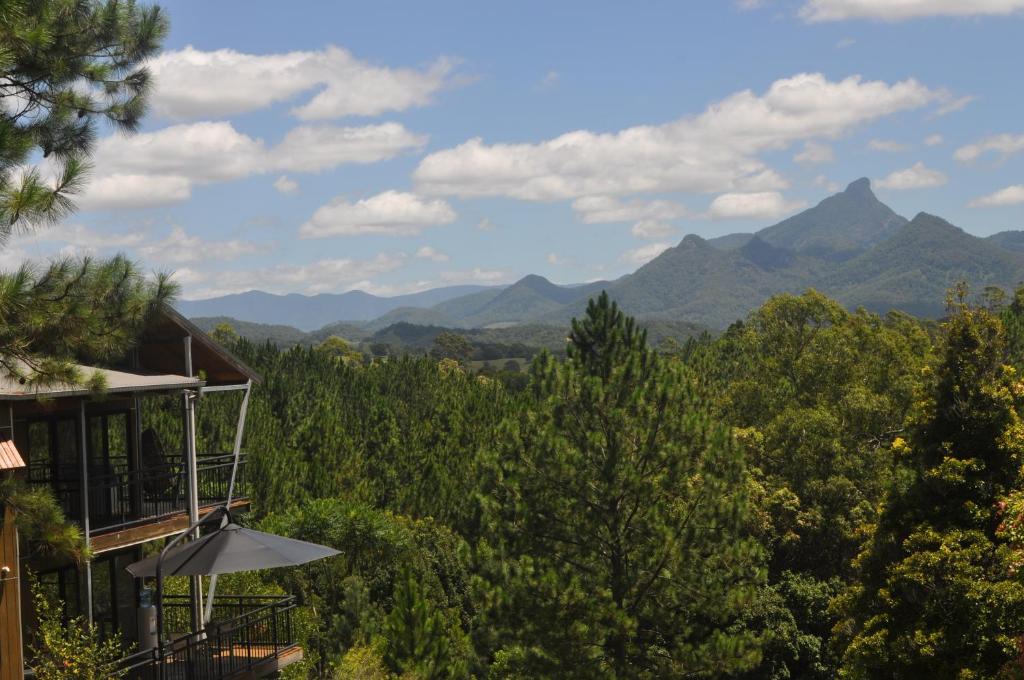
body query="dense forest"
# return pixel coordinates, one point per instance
(815, 493)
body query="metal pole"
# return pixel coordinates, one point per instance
(239, 430)
(85, 507)
(196, 584)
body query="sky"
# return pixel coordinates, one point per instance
(319, 147)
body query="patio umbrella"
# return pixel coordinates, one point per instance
(229, 549)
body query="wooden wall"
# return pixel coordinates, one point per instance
(11, 663)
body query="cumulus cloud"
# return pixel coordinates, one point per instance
(79, 237)
(815, 153)
(644, 254)
(1003, 145)
(933, 140)
(652, 229)
(182, 248)
(429, 253)
(916, 177)
(899, 10)
(486, 225)
(888, 145)
(604, 209)
(828, 184)
(954, 104)
(392, 213)
(193, 84)
(286, 185)
(161, 167)
(1011, 195)
(763, 204)
(320, 276)
(715, 151)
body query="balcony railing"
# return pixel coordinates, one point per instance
(246, 634)
(120, 498)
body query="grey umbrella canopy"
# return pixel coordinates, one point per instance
(230, 549)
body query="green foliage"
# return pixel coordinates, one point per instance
(70, 311)
(620, 506)
(937, 594)
(41, 522)
(65, 66)
(451, 346)
(69, 649)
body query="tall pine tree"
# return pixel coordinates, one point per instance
(620, 505)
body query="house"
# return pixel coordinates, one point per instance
(123, 463)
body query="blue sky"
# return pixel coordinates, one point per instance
(396, 146)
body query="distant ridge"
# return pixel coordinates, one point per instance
(850, 246)
(309, 312)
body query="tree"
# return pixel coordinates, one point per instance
(938, 593)
(339, 349)
(225, 334)
(621, 504)
(449, 345)
(65, 66)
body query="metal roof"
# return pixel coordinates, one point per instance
(11, 389)
(10, 459)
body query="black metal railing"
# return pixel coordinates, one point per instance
(245, 633)
(120, 498)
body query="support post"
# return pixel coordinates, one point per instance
(239, 431)
(84, 456)
(196, 584)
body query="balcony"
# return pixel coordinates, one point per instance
(121, 499)
(248, 636)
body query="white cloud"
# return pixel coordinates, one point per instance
(429, 253)
(916, 177)
(555, 260)
(549, 80)
(320, 276)
(644, 254)
(652, 229)
(815, 153)
(476, 275)
(954, 104)
(603, 209)
(486, 225)
(81, 237)
(192, 84)
(1003, 145)
(764, 204)
(897, 10)
(829, 185)
(749, 4)
(182, 248)
(714, 151)
(161, 167)
(393, 213)
(1011, 195)
(844, 43)
(933, 140)
(888, 145)
(286, 185)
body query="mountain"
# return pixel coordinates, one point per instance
(913, 270)
(1010, 240)
(731, 241)
(311, 312)
(839, 228)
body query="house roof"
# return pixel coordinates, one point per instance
(161, 348)
(12, 389)
(10, 459)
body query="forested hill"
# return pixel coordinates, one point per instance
(850, 246)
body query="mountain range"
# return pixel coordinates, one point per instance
(850, 246)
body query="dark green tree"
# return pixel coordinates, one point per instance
(620, 504)
(450, 345)
(66, 66)
(938, 594)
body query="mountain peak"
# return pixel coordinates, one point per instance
(860, 187)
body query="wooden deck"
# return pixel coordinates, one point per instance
(168, 526)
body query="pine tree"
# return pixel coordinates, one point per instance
(938, 596)
(620, 503)
(65, 67)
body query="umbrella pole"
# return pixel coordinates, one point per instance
(160, 580)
